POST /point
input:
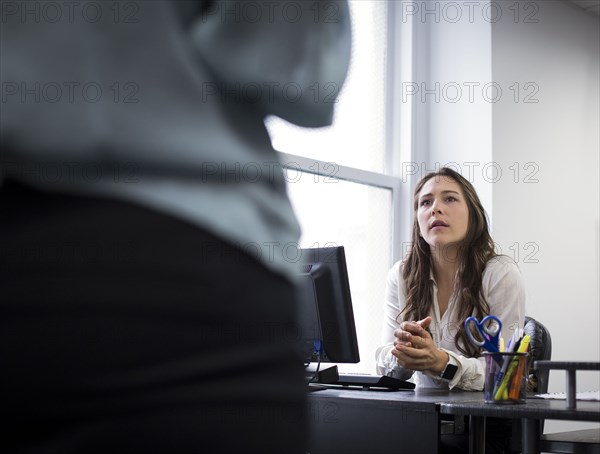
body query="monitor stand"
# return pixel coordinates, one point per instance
(325, 375)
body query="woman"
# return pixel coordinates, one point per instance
(452, 272)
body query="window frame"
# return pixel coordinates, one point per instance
(357, 176)
(399, 133)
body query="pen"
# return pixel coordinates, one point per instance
(509, 349)
(524, 344)
(515, 384)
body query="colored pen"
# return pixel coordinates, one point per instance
(515, 384)
(523, 346)
(512, 342)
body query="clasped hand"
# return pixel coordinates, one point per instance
(414, 348)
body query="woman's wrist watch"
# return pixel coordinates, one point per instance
(449, 371)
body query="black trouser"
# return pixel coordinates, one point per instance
(125, 330)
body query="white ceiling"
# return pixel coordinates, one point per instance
(591, 6)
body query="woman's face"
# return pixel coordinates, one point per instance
(442, 213)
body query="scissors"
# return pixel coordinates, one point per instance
(489, 328)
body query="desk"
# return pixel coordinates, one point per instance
(358, 421)
(364, 421)
(530, 413)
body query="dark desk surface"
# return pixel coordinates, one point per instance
(358, 421)
(530, 412)
(534, 408)
(457, 402)
(418, 395)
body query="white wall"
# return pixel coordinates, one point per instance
(532, 143)
(453, 64)
(553, 219)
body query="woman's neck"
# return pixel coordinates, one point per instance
(445, 265)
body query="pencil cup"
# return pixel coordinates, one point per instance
(505, 377)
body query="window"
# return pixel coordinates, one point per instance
(358, 217)
(339, 180)
(357, 136)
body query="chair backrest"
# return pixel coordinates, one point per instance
(540, 348)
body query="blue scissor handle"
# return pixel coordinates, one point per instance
(489, 334)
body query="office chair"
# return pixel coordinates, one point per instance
(540, 348)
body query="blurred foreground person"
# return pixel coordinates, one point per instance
(147, 303)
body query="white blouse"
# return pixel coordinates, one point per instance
(504, 291)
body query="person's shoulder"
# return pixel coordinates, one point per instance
(396, 268)
(501, 264)
(501, 260)
(395, 271)
(394, 276)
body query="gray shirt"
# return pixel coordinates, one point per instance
(163, 103)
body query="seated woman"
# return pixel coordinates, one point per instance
(451, 272)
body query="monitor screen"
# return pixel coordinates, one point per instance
(326, 317)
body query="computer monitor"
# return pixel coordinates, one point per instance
(326, 316)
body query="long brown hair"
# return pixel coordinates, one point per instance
(473, 254)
